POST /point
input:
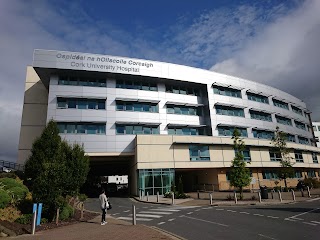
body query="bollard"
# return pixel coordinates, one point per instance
(134, 219)
(140, 194)
(157, 196)
(309, 195)
(235, 198)
(302, 193)
(280, 198)
(293, 195)
(204, 187)
(34, 219)
(272, 192)
(172, 198)
(147, 196)
(198, 195)
(259, 193)
(210, 196)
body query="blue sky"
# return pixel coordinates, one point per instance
(274, 42)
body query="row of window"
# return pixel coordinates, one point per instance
(138, 85)
(81, 103)
(82, 128)
(239, 112)
(182, 90)
(228, 131)
(272, 174)
(137, 106)
(201, 153)
(136, 129)
(227, 91)
(184, 110)
(186, 131)
(77, 81)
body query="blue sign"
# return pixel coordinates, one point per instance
(39, 214)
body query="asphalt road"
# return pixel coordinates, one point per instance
(288, 221)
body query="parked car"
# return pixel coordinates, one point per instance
(4, 169)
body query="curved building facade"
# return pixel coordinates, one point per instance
(160, 120)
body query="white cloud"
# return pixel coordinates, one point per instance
(285, 54)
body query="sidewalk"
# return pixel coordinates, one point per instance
(114, 229)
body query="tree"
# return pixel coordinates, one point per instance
(55, 169)
(286, 166)
(239, 173)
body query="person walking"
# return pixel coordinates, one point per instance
(104, 205)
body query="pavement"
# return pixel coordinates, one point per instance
(118, 229)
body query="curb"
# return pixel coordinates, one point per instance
(143, 201)
(169, 234)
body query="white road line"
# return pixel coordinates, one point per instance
(272, 217)
(127, 211)
(261, 235)
(115, 214)
(164, 209)
(160, 223)
(189, 212)
(138, 219)
(219, 209)
(314, 199)
(304, 213)
(197, 210)
(296, 218)
(206, 208)
(164, 213)
(313, 224)
(231, 211)
(290, 219)
(148, 215)
(220, 224)
(257, 214)
(145, 207)
(244, 212)
(170, 220)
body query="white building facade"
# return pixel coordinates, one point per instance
(316, 130)
(161, 120)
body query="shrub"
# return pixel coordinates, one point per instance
(25, 206)
(24, 219)
(4, 199)
(67, 212)
(9, 213)
(18, 193)
(8, 175)
(312, 182)
(11, 183)
(176, 195)
(82, 197)
(43, 220)
(229, 197)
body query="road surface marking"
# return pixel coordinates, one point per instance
(313, 224)
(207, 208)
(219, 209)
(138, 219)
(164, 213)
(261, 235)
(314, 199)
(197, 210)
(160, 223)
(148, 215)
(170, 220)
(257, 214)
(115, 214)
(126, 211)
(220, 224)
(272, 217)
(244, 212)
(290, 219)
(164, 209)
(231, 210)
(296, 218)
(304, 213)
(189, 212)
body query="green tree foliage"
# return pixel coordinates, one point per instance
(55, 169)
(4, 198)
(286, 166)
(239, 173)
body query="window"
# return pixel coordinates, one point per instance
(257, 133)
(81, 103)
(230, 111)
(228, 131)
(184, 110)
(311, 173)
(76, 81)
(300, 125)
(298, 156)
(280, 104)
(296, 110)
(315, 157)
(257, 98)
(290, 138)
(260, 116)
(246, 154)
(136, 84)
(303, 140)
(182, 90)
(283, 120)
(318, 128)
(298, 174)
(185, 131)
(136, 129)
(227, 91)
(199, 153)
(315, 128)
(82, 128)
(137, 106)
(275, 155)
(267, 174)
